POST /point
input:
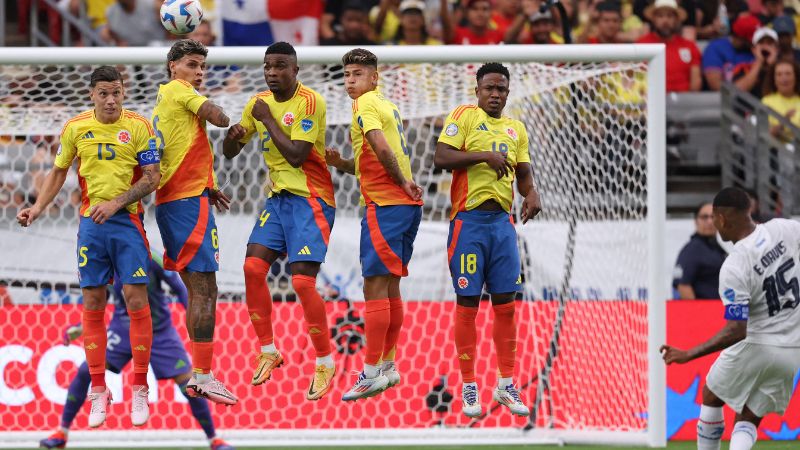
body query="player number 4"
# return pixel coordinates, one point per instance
(263, 218)
(776, 286)
(471, 260)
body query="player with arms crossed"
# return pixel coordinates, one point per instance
(760, 342)
(391, 216)
(183, 203)
(297, 219)
(118, 165)
(485, 150)
(168, 357)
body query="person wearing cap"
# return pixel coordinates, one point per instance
(765, 52)
(683, 56)
(786, 29)
(478, 31)
(412, 29)
(728, 58)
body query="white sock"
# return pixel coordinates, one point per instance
(269, 348)
(202, 377)
(473, 384)
(387, 362)
(744, 436)
(64, 430)
(371, 371)
(326, 360)
(709, 428)
(503, 382)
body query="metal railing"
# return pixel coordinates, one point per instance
(88, 35)
(753, 158)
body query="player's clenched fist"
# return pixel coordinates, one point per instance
(261, 111)
(28, 215)
(235, 133)
(499, 163)
(674, 355)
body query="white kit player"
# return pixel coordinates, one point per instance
(759, 286)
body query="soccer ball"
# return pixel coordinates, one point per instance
(181, 16)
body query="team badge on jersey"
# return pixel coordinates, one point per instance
(463, 282)
(124, 136)
(306, 124)
(729, 295)
(288, 119)
(512, 132)
(451, 130)
(685, 55)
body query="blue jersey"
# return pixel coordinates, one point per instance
(156, 296)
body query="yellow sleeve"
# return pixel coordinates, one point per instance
(454, 132)
(523, 146)
(368, 116)
(145, 144)
(247, 122)
(188, 97)
(66, 151)
(308, 127)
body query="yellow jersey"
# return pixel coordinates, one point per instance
(783, 105)
(302, 118)
(187, 160)
(372, 111)
(110, 155)
(469, 129)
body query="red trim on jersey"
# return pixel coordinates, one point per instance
(459, 189)
(135, 116)
(385, 253)
(185, 83)
(320, 219)
(318, 178)
(195, 239)
(137, 222)
(195, 173)
(355, 105)
(454, 241)
(81, 116)
(311, 100)
(461, 109)
(84, 192)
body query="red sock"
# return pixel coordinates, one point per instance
(395, 325)
(466, 336)
(376, 323)
(259, 300)
(202, 354)
(141, 334)
(504, 334)
(94, 344)
(314, 313)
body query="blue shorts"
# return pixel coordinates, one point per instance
(118, 245)
(168, 356)
(295, 225)
(482, 248)
(387, 238)
(189, 234)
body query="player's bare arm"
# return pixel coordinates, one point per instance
(213, 113)
(334, 158)
(733, 332)
(385, 155)
(151, 176)
(52, 184)
(231, 147)
(219, 200)
(526, 185)
(295, 152)
(449, 157)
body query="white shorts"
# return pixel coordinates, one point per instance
(757, 376)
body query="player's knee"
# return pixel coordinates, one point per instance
(255, 268)
(470, 301)
(307, 268)
(710, 398)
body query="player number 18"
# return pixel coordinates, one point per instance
(471, 260)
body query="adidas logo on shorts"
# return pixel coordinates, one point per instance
(304, 251)
(139, 273)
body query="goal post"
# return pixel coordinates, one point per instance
(591, 315)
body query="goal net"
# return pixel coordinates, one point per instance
(590, 315)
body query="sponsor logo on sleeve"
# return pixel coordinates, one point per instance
(306, 124)
(737, 312)
(451, 130)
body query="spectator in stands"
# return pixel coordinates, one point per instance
(334, 9)
(245, 22)
(786, 29)
(203, 34)
(354, 27)
(413, 30)
(771, 9)
(710, 25)
(696, 274)
(765, 52)
(688, 20)
(478, 30)
(607, 24)
(533, 26)
(295, 21)
(133, 23)
(729, 58)
(385, 20)
(683, 56)
(504, 13)
(782, 94)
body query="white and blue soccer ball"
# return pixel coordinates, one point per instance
(181, 16)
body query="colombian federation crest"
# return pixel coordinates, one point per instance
(512, 132)
(124, 136)
(463, 282)
(288, 119)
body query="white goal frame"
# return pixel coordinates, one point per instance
(651, 54)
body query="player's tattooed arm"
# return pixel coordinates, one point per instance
(52, 184)
(213, 113)
(449, 157)
(151, 176)
(386, 157)
(733, 332)
(295, 152)
(334, 158)
(231, 145)
(526, 185)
